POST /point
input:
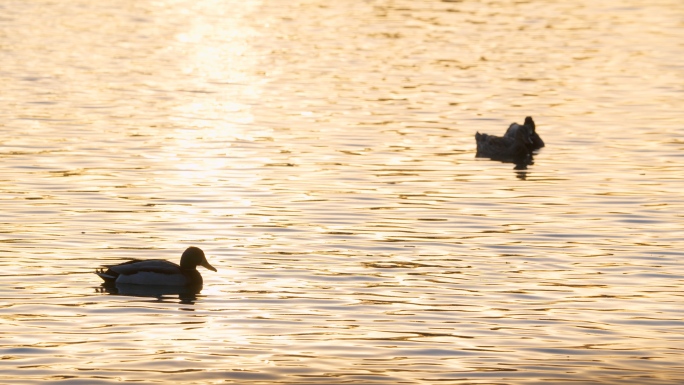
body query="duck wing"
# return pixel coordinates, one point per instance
(151, 266)
(512, 129)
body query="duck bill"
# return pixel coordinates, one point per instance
(208, 266)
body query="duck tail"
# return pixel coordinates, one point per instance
(107, 278)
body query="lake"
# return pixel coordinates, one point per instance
(322, 154)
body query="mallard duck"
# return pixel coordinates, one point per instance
(157, 272)
(504, 148)
(535, 141)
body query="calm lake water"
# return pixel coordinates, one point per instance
(323, 156)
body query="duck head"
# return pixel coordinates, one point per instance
(530, 123)
(193, 257)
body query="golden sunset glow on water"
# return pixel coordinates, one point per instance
(322, 154)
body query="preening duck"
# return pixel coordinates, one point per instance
(535, 141)
(515, 149)
(159, 272)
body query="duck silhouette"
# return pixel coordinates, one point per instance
(515, 148)
(530, 128)
(157, 272)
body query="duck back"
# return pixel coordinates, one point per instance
(502, 148)
(148, 272)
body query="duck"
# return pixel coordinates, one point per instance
(157, 272)
(535, 142)
(507, 149)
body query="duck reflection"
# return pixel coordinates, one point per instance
(522, 175)
(186, 294)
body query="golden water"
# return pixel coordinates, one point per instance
(322, 154)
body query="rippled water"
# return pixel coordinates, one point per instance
(322, 154)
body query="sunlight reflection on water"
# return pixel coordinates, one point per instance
(323, 157)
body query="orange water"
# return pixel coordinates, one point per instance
(322, 154)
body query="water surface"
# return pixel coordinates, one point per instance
(322, 154)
